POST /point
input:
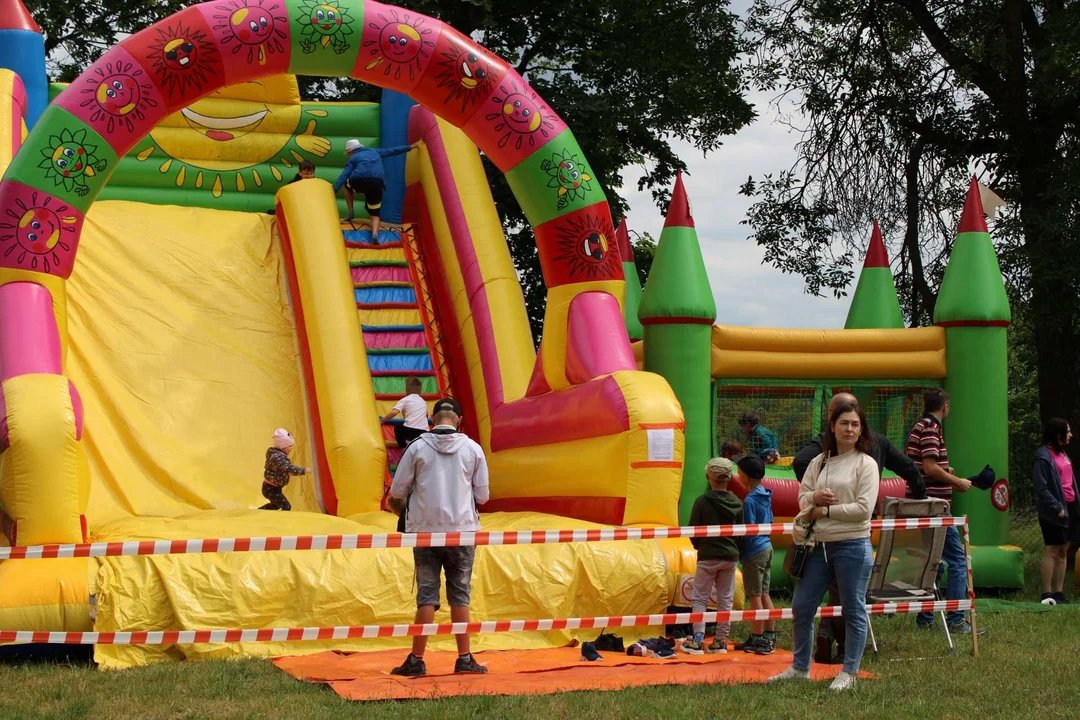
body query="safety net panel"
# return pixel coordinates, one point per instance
(795, 411)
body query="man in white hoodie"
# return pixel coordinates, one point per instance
(444, 475)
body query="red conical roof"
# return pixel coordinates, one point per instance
(678, 214)
(622, 236)
(973, 219)
(15, 16)
(875, 253)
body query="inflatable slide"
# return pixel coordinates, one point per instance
(141, 384)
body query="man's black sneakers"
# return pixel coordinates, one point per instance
(748, 645)
(468, 664)
(765, 646)
(412, 667)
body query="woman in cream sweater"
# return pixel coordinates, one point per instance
(840, 488)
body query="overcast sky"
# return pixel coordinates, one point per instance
(746, 292)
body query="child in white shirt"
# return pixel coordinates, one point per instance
(413, 408)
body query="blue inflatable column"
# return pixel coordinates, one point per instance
(394, 130)
(22, 49)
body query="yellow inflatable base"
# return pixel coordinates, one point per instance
(306, 588)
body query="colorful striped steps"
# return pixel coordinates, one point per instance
(392, 321)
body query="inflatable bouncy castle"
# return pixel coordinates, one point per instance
(787, 377)
(141, 384)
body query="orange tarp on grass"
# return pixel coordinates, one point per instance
(366, 676)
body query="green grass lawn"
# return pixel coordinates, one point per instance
(1029, 667)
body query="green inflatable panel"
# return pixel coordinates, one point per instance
(69, 160)
(554, 181)
(677, 311)
(325, 36)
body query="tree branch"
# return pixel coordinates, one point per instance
(922, 297)
(980, 73)
(527, 56)
(1015, 69)
(1034, 29)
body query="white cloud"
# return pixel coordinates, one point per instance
(746, 291)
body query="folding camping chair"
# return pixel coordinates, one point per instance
(906, 571)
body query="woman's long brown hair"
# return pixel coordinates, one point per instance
(866, 438)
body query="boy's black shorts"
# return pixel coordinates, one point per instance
(372, 190)
(405, 435)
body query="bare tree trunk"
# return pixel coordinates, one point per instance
(1053, 305)
(923, 297)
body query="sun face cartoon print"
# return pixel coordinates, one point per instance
(569, 175)
(521, 118)
(586, 246)
(217, 142)
(117, 96)
(70, 161)
(256, 27)
(324, 25)
(184, 61)
(465, 75)
(37, 234)
(398, 44)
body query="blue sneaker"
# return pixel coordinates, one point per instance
(964, 629)
(589, 654)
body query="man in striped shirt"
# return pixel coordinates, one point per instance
(926, 448)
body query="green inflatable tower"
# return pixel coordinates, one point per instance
(633, 287)
(974, 310)
(875, 304)
(677, 312)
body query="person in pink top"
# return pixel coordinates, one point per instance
(1059, 511)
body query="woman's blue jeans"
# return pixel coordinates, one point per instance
(850, 561)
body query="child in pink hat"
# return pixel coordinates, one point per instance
(279, 471)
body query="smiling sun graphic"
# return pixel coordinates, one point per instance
(522, 116)
(221, 138)
(585, 248)
(568, 173)
(70, 161)
(254, 26)
(324, 24)
(37, 233)
(117, 95)
(183, 59)
(397, 43)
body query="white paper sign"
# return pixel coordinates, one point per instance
(661, 445)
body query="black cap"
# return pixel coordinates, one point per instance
(752, 465)
(446, 405)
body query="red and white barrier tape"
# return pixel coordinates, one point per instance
(188, 637)
(451, 539)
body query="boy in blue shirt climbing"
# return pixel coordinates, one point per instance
(757, 555)
(363, 174)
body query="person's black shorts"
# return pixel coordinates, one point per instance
(372, 190)
(1054, 534)
(405, 435)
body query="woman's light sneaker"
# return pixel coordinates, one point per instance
(791, 673)
(843, 681)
